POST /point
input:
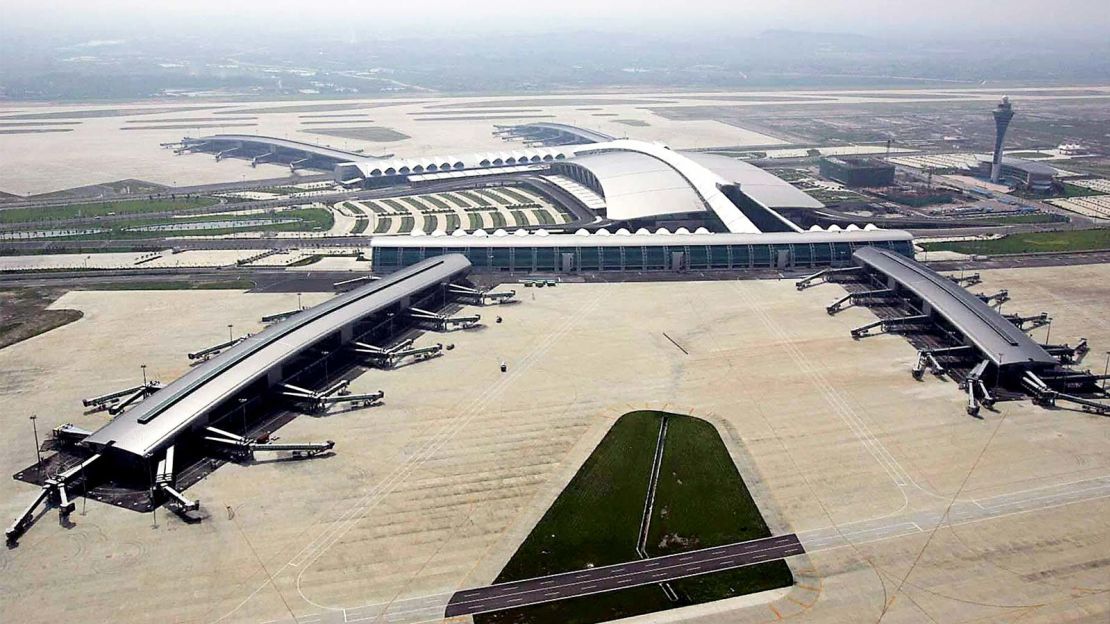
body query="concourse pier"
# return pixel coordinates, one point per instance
(167, 437)
(959, 334)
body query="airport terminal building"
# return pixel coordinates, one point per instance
(637, 206)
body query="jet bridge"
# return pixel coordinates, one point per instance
(115, 402)
(54, 489)
(391, 357)
(337, 393)
(963, 335)
(164, 482)
(208, 352)
(245, 448)
(159, 442)
(443, 322)
(481, 297)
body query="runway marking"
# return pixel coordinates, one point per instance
(357, 511)
(834, 398)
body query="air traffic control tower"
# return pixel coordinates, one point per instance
(1003, 113)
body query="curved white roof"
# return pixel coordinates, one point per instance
(705, 183)
(154, 423)
(637, 186)
(640, 179)
(765, 188)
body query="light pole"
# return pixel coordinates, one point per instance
(1105, 369)
(299, 306)
(229, 335)
(35, 429)
(243, 415)
(143, 366)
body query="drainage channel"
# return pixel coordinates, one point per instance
(649, 501)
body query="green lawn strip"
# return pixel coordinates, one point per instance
(296, 226)
(407, 223)
(360, 226)
(515, 195)
(394, 204)
(80, 250)
(1031, 242)
(475, 221)
(1072, 190)
(282, 190)
(415, 203)
(701, 501)
(306, 219)
(700, 493)
(375, 207)
(355, 209)
(475, 198)
(74, 211)
(597, 517)
(436, 201)
(1035, 217)
(430, 223)
(307, 260)
(1028, 154)
(520, 218)
(229, 284)
(382, 225)
(453, 222)
(455, 199)
(494, 197)
(498, 219)
(543, 217)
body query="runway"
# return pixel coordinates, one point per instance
(621, 576)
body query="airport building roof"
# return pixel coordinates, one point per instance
(623, 238)
(154, 423)
(637, 186)
(319, 150)
(1021, 164)
(704, 182)
(997, 339)
(586, 134)
(765, 188)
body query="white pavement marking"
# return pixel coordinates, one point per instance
(833, 397)
(357, 511)
(870, 531)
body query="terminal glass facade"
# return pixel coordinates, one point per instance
(631, 257)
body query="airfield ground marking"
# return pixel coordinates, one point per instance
(444, 436)
(348, 519)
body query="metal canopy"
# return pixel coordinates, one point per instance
(155, 422)
(997, 339)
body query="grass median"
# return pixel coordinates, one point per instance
(701, 501)
(1029, 242)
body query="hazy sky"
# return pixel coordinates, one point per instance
(982, 18)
